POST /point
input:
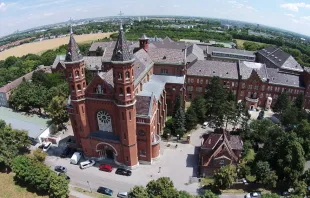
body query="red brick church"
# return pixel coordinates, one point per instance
(121, 113)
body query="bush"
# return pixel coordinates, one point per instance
(39, 155)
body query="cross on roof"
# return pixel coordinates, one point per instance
(120, 16)
(70, 21)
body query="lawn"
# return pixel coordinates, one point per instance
(240, 43)
(10, 190)
(91, 194)
(39, 47)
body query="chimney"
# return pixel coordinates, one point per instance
(144, 42)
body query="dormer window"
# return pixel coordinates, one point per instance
(127, 75)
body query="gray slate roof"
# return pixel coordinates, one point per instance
(246, 68)
(280, 58)
(142, 65)
(108, 77)
(59, 58)
(210, 49)
(122, 51)
(210, 68)
(143, 105)
(94, 46)
(193, 52)
(157, 83)
(277, 77)
(163, 55)
(73, 52)
(93, 62)
(169, 44)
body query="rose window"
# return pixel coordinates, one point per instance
(104, 121)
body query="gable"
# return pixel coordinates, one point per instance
(93, 88)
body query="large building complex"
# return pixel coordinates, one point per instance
(121, 113)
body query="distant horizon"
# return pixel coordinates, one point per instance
(273, 27)
(289, 15)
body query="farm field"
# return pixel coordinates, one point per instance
(240, 43)
(39, 47)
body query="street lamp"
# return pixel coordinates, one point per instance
(168, 135)
(177, 138)
(89, 186)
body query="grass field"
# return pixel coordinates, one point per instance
(38, 47)
(240, 43)
(10, 190)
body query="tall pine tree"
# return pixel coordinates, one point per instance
(191, 119)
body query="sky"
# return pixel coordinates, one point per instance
(291, 15)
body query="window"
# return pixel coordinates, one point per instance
(190, 96)
(121, 91)
(197, 81)
(129, 115)
(207, 81)
(142, 152)
(242, 93)
(164, 71)
(198, 89)
(232, 84)
(256, 87)
(192, 80)
(127, 159)
(79, 87)
(250, 86)
(82, 71)
(201, 81)
(249, 94)
(82, 109)
(141, 133)
(189, 88)
(222, 162)
(263, 88)
(72, 88)
(275, 96)
(128, 91)
(236, 84)
(77, 74)
(188, 80)
(243, 85)
(70, 75)
(127, 75)
(120, 76)
(125, 136)
(84, 85)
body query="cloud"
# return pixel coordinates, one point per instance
(42, 4)
(176, 6)
(289, 15)
(295, 6)
(2, 6)
(238, 5)
(48, 14)
(306, 18)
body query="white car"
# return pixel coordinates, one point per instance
(47, 145)
(253, 195)
(87, 164)
(205, 124)
(122, 194)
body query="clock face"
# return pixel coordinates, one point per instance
(141, 133)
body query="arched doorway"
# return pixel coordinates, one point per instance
(106, 151)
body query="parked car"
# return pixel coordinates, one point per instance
(253, 195)
(105, 167)
(47, 145)
(205, 125)
(65, 152)
(60, 169)
(122, 171)
(87, 164)
(67, 177)
(41, 146)
(122, 194)
(104, 190)
(76, 158)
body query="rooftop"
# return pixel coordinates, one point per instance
(246, 69)
(33, 124)
(8, 87)
(165, 55)
(211, 49)
(93, 62)
(210, 68)
(143, 105)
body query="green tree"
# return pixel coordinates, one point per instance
(162, 187)
(57, 110)
(289, 116)
(138, 192)
(199, 106)
(184, 194)
(300, 188)
(265, 175)
(48, 57)
(39, 155)
(300, 101)
(225, 176)
(191, 119)
(59, 186)
(12, 143)
(177, 105)
(243, 115)
(282, 103)
(230, 114)
(179, 122)
(208, 194)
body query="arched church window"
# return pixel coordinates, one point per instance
(121, 91)
(79, 87)
(82, 71)
(128, 91)
(70, 75)
(104, 121)
(141, 133)
(99, 90)
(77, 74)
(72, 88)
(120, 76)
(127, 75)
(84, 85)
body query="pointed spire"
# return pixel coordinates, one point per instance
(73, 52)
(121, 51)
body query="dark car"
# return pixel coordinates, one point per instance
(104, 190)
(60, 169)
(67, 177)
(41, 146)
(122, 171)
(65, 153)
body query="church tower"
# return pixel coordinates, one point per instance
(144, 42)
(75, 70)
(123, 79)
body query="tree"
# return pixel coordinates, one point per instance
(59, 186)
(273, 195)
(138, 192)
(208, 194)
(300, 188)
(179, 122)
(12, 143)
(300, 102)
(99, 51)
(184, 194)
(39, 155)
(191, 119)
(289, 116)
(282, 103)
(265, 175)
(230, 115)
(225, 176)
(162, 187)
(177, 105)
(48, 57)
(199, 106)
(57, 110)
(243, 115)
